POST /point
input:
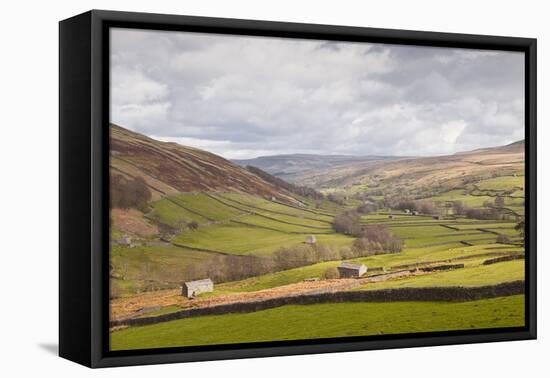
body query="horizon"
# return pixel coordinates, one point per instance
(171, 140)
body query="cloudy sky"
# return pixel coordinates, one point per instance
(243, 97)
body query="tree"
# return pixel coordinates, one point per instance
(379, 239)
(366, 208)
(458, 207)
(331, 273)
(193, 225)
(336, 198)
(348, 223)
(499, 202)
(520, 228)
(503, 239)
(427, 207)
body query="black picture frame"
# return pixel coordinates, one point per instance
(83, 180)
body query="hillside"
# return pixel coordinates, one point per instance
(291, 167)
(210, 218)
(415, 174)
(170, 168)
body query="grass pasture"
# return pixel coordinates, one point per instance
(477, 275)
(170, 213)
(264, 205)
(206, 206)
(502, 183)
(135, 268)
(325, 321)
(472, 254)
(245, 240)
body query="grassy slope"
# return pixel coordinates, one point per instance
(502, 183)
(479, 275)
(256, 202)
(171, 214)
(163, 264)
(243, 240)
(325, 321)
(409, 256)
(421, 239)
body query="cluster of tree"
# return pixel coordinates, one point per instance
(348, 223)
(482, 213)
(520, 228)
(367, 208)
(498, 203)
(337, 198)
(129, 193)
(491, 211)
(422, 206)
(377, 239)
(224, 268)
(304, 191)
(503, 239)
(371, 238)
(296, 256)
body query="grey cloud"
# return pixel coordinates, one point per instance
(247, 96)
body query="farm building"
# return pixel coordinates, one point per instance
(193, 288)
(311, 239)
(349, 270)
(415, 212)
(407, 211)
(437, 217)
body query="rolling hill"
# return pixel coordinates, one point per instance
(414, 174)
(170, 168)
(291, 167)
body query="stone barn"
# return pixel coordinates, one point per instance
(193, 288)
(311, 239)
(437, 217)
(349, 270)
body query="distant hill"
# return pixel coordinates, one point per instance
(170, 168)
(291, 167)
(518, 146)
(280, 183)
(394, 175)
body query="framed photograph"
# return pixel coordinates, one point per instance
(235, 188)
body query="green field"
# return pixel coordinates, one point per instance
(164, 264)
(325, 321)
(479, 275)
(408, 256)
(272, 207)
(242, 224)
(242, 240)
(276, 225)
(502, 183)
(195, 215)
(170, 213)
(206, 206)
